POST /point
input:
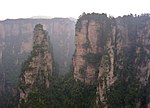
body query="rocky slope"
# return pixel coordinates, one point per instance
(38, 68)
(114, 53)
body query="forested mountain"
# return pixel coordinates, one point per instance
(110, 65)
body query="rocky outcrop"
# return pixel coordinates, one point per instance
(39, 66)
(16, 38)
(16, 44)
(114, 53)
(106, 76)
(91, 31)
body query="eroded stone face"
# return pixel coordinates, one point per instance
(121, 47)
(86, 45)
(39, 66)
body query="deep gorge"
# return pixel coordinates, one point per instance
(110, 66)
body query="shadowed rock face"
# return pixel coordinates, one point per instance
(38, 67)
(114, 53)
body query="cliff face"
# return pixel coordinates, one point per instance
(16, 44)
(121, 47)
(90, 44)
(86, 44)
(38, 68)
(135, 55)
(18, 33)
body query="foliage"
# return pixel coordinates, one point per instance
(126, 91)
(64, 92)
(74, 94)
(88, 16)
(36, 99)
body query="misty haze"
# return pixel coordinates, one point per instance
(74, 54)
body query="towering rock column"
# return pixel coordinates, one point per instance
(124, 71)
(38, 68)
(92, 32)
(87, 54)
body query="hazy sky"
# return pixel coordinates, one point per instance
(70, 8)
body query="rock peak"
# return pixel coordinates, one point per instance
(114, 54)
(38, 68)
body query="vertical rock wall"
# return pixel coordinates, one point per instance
(39, 66)
(114, 53)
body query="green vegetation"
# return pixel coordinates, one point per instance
(61, 92)
(97, 17)
(74, 94)
(88, 16)
(64, 92)
(127, 90)
(38, 98)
